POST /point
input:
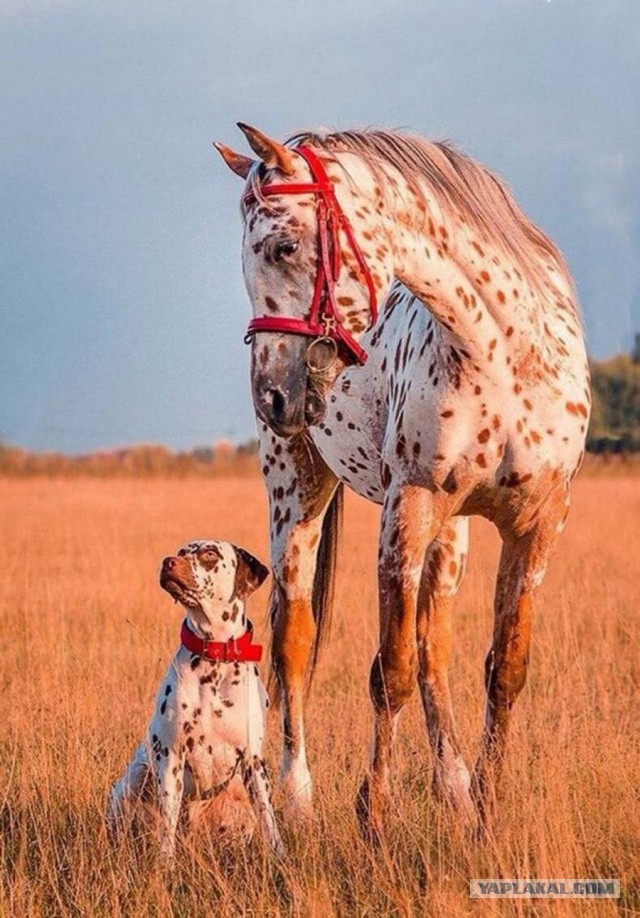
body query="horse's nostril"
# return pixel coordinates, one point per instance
(277, 402)
(281, 408)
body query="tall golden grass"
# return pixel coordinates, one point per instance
(87, 634)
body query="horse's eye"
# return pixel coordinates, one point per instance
(285, 248)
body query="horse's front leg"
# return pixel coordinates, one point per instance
(409, 525)
(304, 508)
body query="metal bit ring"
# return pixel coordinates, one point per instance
(333, 356)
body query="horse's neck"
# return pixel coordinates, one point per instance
(469, 285)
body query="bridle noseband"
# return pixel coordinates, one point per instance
(324, 321)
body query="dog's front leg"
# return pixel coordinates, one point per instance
(127, 788)
(256, 782)
(170, 784)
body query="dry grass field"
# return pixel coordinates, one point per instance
(87, 634)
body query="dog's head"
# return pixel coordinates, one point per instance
(208, 573)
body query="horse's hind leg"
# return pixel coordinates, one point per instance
(441, 576)
(523, 563)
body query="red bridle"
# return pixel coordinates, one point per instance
(324, 318)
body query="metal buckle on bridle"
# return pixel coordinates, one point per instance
(329, 326)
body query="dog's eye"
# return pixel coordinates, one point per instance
(285, 248)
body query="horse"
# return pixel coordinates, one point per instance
(418, 339)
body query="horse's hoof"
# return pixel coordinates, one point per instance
(297, 802)
(453, 788)
(370, 813)
(485, 799)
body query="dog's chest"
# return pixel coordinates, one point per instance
(218, 719)
(222, 691)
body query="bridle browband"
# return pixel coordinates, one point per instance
(324, 318)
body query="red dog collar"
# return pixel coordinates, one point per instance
(324, 319)
(235, 650)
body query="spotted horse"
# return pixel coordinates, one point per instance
(467, 394)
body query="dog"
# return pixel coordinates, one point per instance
(208, 727)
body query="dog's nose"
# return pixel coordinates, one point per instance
(168, 564)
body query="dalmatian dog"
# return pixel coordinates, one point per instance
(209, 720)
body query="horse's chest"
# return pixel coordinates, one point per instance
(371, 408)
(351, 435)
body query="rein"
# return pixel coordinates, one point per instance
(324, 322)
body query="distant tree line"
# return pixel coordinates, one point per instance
(135, 462)
(614, 430)
(615, 416)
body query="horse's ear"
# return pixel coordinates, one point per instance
(273, 154)
(250, 573)
(235, 161)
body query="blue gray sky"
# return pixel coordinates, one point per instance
(122, 302)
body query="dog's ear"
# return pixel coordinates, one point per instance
(250, 573)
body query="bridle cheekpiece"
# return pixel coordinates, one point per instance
(323, 323)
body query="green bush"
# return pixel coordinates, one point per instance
(615, 418)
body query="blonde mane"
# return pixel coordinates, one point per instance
(459, 183)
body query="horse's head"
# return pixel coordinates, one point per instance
(306, 261)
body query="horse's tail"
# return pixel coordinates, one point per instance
(323, 582)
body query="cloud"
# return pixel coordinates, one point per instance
(121, 234)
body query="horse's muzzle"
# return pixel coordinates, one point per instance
(288, 416)
(285, 416)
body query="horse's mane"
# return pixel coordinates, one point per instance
(459, 183)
